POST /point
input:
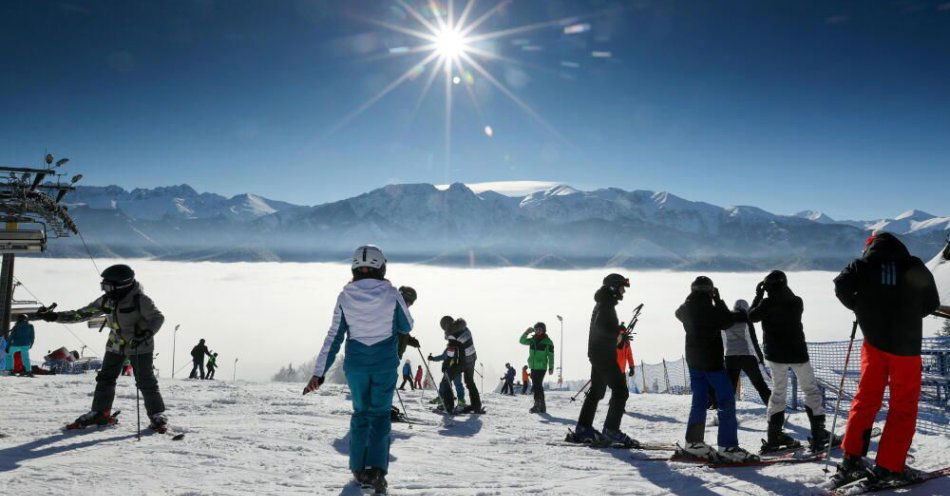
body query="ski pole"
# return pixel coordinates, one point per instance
(404, 411)
(582, 390)
(138, 413)
(834, 419)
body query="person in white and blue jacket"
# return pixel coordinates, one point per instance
(369, 316)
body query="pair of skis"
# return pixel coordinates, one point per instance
(867, 486)
(113, 420)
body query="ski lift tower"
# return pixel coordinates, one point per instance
(30, 214)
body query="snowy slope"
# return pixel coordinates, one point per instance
(267, 439)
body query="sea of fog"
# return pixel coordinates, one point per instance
(268, 315)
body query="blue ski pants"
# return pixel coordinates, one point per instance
(700, 382)
(371, 423)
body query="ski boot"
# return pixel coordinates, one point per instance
(851, 468)
(820, 437)
(696, 451)
(101, 419)
(882, 478)
(359, 476)
(778, 441)
(585, 434)
(159, 423)
(736, 454)
(374, 482)
(617, 439)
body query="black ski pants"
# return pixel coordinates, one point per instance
(749, 365)
(198, 363)
(508, 387)
(468, 374)
(524, 387)
(604, 373)
(537, 386)
(211, 372)
(405, 379)
(145, 380)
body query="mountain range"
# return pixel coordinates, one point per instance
(534, 224)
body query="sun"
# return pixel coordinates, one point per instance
(450, 43)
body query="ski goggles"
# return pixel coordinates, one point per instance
(111, 287)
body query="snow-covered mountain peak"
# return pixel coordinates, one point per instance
(915, 215)
(815, 216)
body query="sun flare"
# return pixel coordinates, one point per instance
(450, 43)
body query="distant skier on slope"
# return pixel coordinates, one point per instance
(704, 315)
(508, 380)
(419, 377)
(890, 291)
(743, 353)
(604, 373)
(212, 366)
(525, 379)
(407, 376)
(133, 320)
(785, 349)
(198, 354)
(540, 359)
(369, 315)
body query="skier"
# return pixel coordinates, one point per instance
(743, 353)
(457, 331)
(508, 386)
(22, 337)
(127, 367)
(890, 291)
(604, 373)
(198, 359)
(785, 348)
(133, 320)
(419, 377)
(540, 359)
(368, 315)
(212, 366)
(407, 377)
(451, 369)
(704, 315)
(525, 379)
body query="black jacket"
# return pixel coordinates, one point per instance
(891, 292)
(199, 351)
(703, 320)
(604, 327)
(782, 332)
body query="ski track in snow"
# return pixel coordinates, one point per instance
(247, 438)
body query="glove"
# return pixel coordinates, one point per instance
(760, 289)
(48, 316)
(430, 357)
(715, 294)
(313, 385)
(631, 372)
(550, 371)
(408, 294)
(411, 341)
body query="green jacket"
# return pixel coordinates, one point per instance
(540, 353)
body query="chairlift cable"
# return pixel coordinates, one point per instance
(38, 300)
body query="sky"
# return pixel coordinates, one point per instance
(842, 107)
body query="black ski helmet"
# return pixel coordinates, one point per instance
(408, 294)
(616, 281)
(702, 284)
(446, 323)
(117, 277)
(775, 280)
(540, 327)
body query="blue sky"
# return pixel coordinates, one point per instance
(837, 106)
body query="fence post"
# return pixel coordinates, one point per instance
(643, 376)
(685, 376)
(666, 377)
(794, 391)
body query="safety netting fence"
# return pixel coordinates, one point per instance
(828, 361)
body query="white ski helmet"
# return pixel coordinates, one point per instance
(369, 256)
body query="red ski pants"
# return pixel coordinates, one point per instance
(878, 370)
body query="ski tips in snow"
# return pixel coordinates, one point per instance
(868, 486)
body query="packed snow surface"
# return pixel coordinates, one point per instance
(256, 439)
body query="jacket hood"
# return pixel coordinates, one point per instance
(741, 305)
(605, 295)
(886, 246)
